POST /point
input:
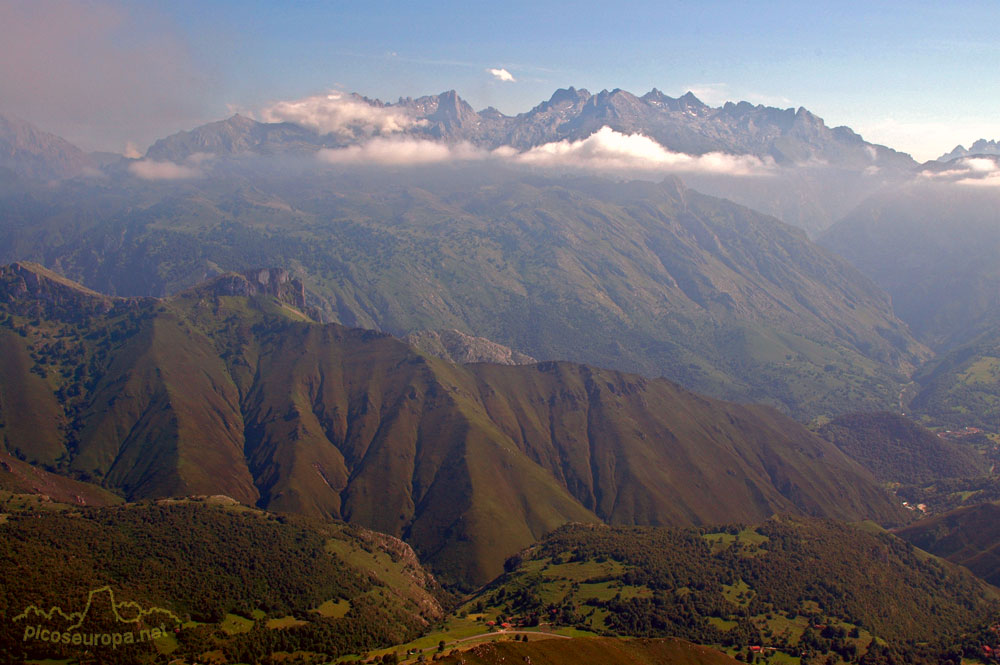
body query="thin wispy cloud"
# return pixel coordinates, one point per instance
(152, 169)
(502, 75)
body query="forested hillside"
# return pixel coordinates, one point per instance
(225, 579)
(789, 585)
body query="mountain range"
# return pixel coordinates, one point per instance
(683, 124)
(980, 147)
(897, 450)
(821, 172)
(811, 160)
(966, 536)
(215, 392)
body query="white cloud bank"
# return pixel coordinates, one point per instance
(609, 150)
(336, 113)
(972, 171)
(502, 75)
(401, 152)
(605, 151)
(150, 169)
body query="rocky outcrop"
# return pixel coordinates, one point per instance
(457, 347)
(275, 282)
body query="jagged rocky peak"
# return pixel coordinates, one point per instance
(452, 110)
(564, 97)
(980, 147)
(491, 113)
(656, 97)
(686, 102)
(689, 100)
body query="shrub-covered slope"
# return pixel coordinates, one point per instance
(789, 585)
(240, 582)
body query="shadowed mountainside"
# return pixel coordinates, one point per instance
(968, 536)
(896, 449)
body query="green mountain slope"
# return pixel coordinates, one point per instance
(213, 393)
(788, 585)
(944, 495)
(961, 388)
(896, 449)
(654, 278)
(225, 580)
(968, 536)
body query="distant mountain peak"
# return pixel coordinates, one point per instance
(28, 150)
(562, 97)
(452, 111)
(980, 147)
(689, 98)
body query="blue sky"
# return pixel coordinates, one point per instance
(916, 76)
